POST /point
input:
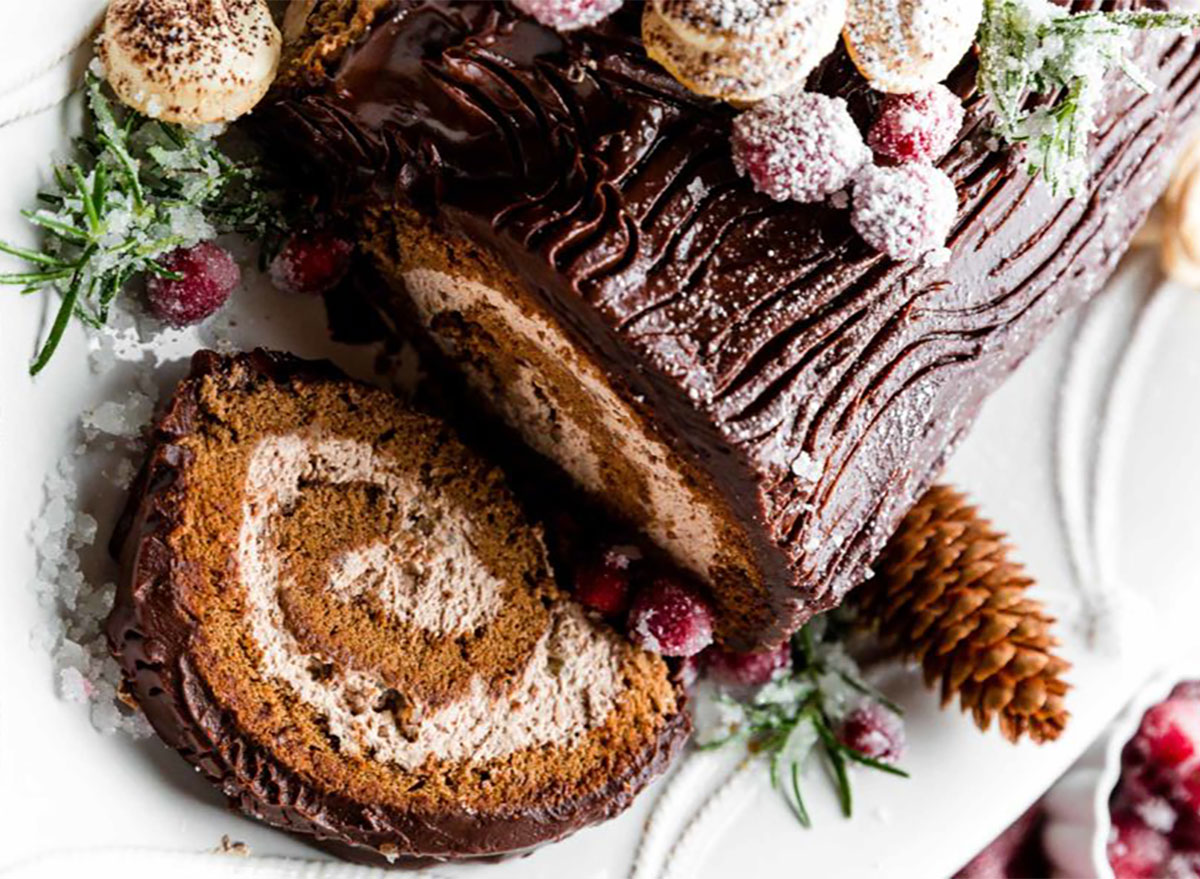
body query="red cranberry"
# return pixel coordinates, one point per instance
(311, 263)
(874, 732)
(568, 15)
(1134, 850)
(745, 669)
(1187, 690)
(800, 146)
(669, 618)
(1186, 834)
(603, 584)
(919, 127)
(905, 211)
(1188, 794)
(1170, 731)
(1183, 865)
(209, 275)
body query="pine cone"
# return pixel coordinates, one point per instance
(946, 594)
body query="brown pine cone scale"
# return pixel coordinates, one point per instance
(947, 596)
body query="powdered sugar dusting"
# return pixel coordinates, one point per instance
(800, 146)
(568, 15)
(740, 50)
(906, 211)
(901, 46)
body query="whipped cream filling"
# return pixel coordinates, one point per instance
(681, 520)
(431, 579)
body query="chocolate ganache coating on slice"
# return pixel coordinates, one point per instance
(339, 615)
(745, 379)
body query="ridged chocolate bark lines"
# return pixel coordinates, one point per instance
(761, 335)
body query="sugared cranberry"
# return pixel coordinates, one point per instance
(603, 583)
(669, 618)
(919, 127)
(568, 15)
(1183, 865)
(1170, 731)
(745, 669)
(311, 263)
(1186, 834)
(874, 732)
(800, 146)
(906, 211)
(1134, 850)
(1187, 795)
(1187, 690)
(208, 275)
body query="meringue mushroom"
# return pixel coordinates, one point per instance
(905, 46)
(741, 52)
(190, 61)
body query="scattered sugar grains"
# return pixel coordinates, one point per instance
(75, 578)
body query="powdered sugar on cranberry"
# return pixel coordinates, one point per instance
(568, 15)
(874, 731)
(603, 583)
(920, 127)
(746, 669)
(905, 211)
(208, 274)
(311, 263)
(669, 618)
(799, 146)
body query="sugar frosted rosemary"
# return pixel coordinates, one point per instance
(1034, 47)
(137, 189)
(795, 717)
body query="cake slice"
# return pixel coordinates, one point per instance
(746, 380)
(339, 615)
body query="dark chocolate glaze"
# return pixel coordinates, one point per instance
(150, 633)
(754, 330)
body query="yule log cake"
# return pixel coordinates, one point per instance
(747, 380)
(340, 616)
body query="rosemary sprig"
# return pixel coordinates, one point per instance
(1036, 48)
(797, 715)
(137, 189)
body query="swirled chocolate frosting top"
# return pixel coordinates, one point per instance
(820, 385)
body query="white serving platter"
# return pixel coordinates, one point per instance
(1123, 466)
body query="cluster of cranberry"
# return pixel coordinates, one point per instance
(204, 275)
(806, 147)
(1156, 807)
(668, 616)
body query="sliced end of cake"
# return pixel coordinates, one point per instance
(339, 614)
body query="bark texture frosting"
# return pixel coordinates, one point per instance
(810, 386)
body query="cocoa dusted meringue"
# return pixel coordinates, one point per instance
(741, 50)
(190, 61)
(905, 46)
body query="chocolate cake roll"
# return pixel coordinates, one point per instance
(340, 616)
(746, 380)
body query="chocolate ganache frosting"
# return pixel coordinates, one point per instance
(816, 387)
